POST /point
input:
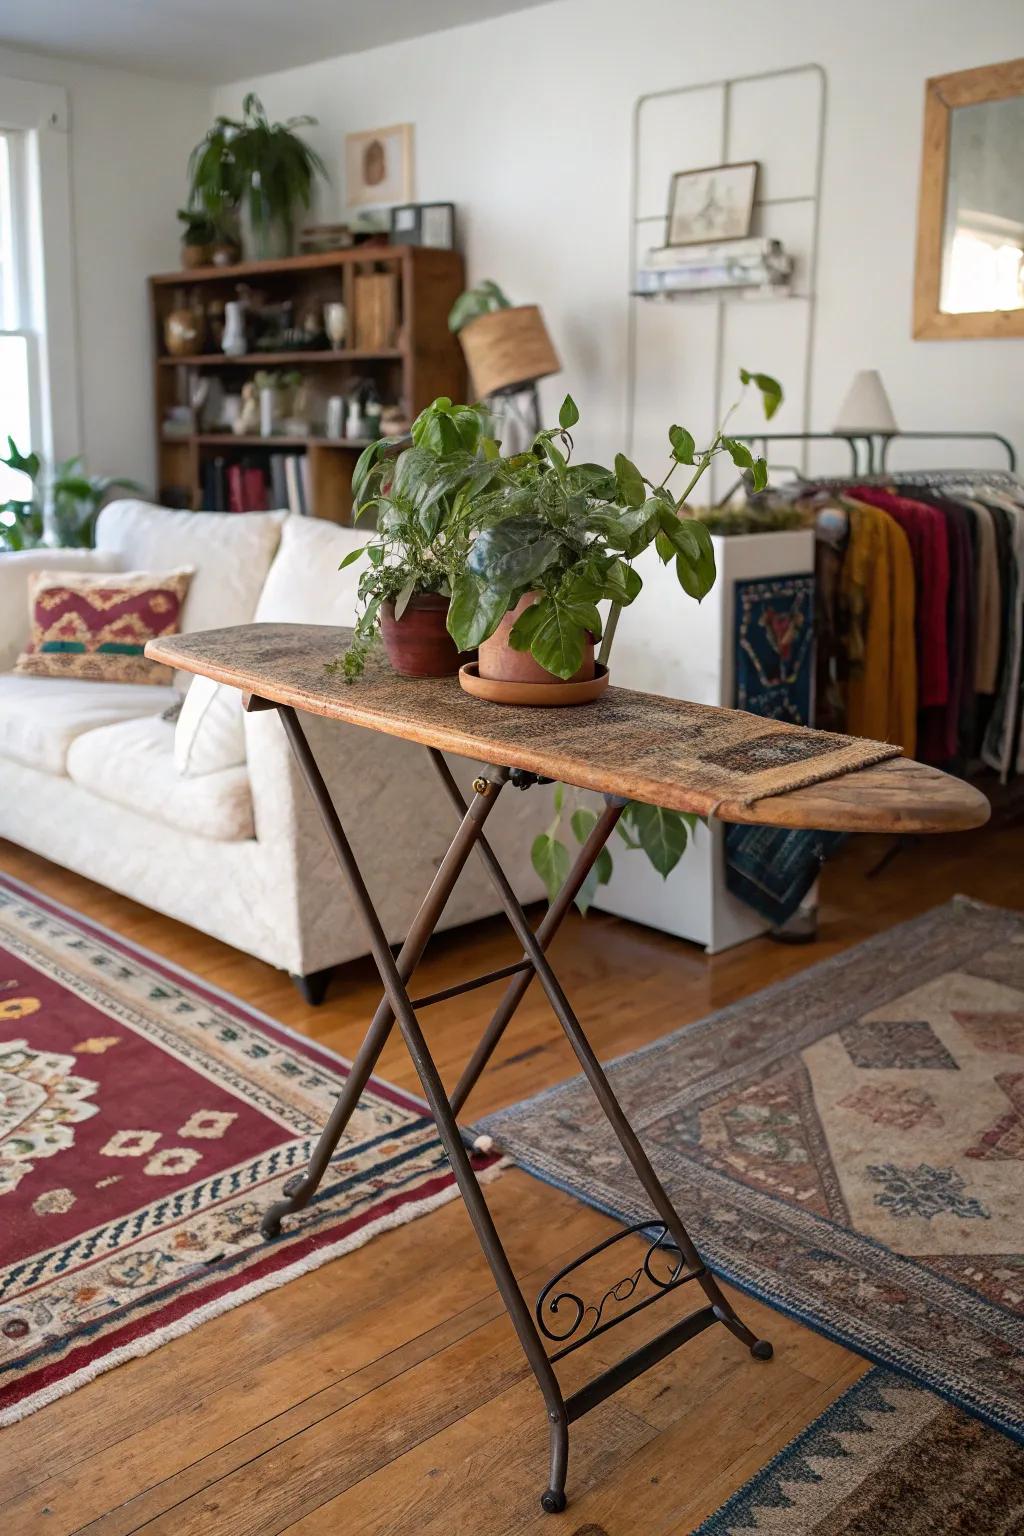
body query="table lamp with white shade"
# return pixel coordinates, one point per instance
(866, 410)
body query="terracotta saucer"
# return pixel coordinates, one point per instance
(544, 695)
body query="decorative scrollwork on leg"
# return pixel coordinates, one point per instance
(567, 1319)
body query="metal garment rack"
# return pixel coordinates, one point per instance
(728, 87)
(869, 451)
(559, 1315)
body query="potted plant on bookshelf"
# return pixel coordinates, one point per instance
(262, 170)
(197, 237)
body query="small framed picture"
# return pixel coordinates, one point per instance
(424, 224)
(716, 203)
(378, 166)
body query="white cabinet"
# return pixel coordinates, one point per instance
(666, 643)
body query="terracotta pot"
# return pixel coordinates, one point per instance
(418, 644)
(497, 659)
(195, 256)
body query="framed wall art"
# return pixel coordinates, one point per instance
(716, 203)
(378, 166)
(430, 224)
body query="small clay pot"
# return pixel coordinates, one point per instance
(418, 644)
(195, 256)
(498, 661)
(224, 254)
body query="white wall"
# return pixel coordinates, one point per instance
(130, 138)
(524, 122)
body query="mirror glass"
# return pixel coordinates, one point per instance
(983, 229)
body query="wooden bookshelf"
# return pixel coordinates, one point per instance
(411, 367)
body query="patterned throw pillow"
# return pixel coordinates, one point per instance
(95, 624)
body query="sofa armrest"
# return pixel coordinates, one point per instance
(15, 570)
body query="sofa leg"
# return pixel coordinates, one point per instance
(314, 986)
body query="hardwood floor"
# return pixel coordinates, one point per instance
(385, 1394)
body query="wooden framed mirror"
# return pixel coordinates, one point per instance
(969, 278)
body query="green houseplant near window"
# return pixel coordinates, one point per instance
(63, 507)
(261, 170)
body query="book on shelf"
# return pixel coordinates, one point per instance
(278, 481)
(293, 474)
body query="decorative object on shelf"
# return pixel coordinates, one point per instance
(234, 340)
(431, 224)
(278, 394)
(314, 239)
(258, 171)
(376, 311)
(179, 421)
(747, 266)
(394, 421)
(354, 418)
(335, 419)
(225, 251)
(969, 274)
(215, 320)
(715, 203)
(197, 237)
(63, 504)
(866, 410)
(184, 329)
(247, 422)
(378, 166)
(336, 323)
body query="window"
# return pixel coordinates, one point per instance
(19, 412)
(39, 399)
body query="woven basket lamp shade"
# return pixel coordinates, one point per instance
(508, 350)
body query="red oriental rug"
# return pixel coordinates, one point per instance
(146, 1122)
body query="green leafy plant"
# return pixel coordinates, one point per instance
(421, 540)
(74, 500)
(253, 163)
(456, 517)
(485, 299)
(199, 227)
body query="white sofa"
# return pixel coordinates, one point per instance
(89, 778)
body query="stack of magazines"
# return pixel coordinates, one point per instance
(755, 264)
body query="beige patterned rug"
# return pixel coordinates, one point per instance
(848, 1146)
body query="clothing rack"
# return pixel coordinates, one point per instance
(869, 451)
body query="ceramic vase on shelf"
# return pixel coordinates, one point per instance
(265, 236)
(269, 402)
(234, 341)
(336, 324)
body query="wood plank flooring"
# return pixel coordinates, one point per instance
(385, 1394)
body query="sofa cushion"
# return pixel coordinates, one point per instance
(14, 573)
(304, 584)
(132, 764)
(209, 734)
(41, 716)
(231, 554)
(95, 625)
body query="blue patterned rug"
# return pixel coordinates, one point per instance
(887, 1459)
(847, 1146)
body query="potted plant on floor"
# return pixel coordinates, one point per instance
(262, 171)
(64, 504)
